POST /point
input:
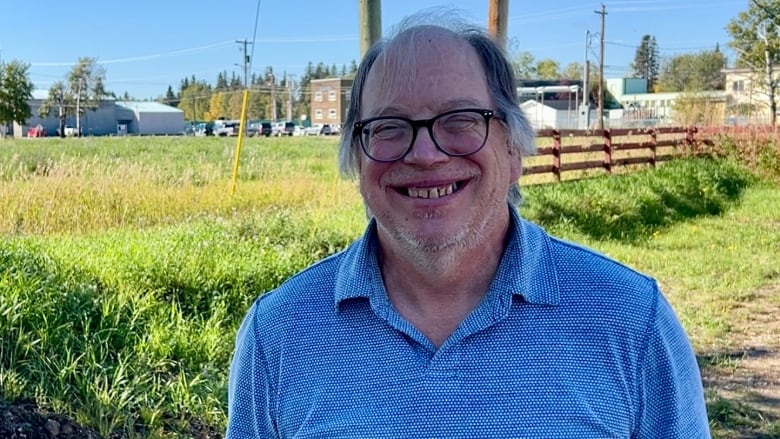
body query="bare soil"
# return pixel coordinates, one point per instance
(23, 419)
(748, 374)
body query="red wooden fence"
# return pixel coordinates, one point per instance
(653, 144)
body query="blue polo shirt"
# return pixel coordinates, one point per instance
(565, 344)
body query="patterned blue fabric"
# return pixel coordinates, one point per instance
(566, 344)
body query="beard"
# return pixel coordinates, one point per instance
(443, 251)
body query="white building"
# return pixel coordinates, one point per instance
(641, 108)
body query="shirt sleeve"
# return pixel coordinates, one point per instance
(249, 392)
(671, 392)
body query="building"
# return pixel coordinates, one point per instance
(643, 109)
(747, 97)
(330, 100)
(110, 118)
(556, 114)
(148, 118)
(555, 104)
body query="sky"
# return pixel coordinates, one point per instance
(145, 46)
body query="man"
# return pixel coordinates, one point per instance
(452, 316)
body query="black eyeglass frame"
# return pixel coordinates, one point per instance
(427, 123)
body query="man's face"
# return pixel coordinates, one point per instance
(428, 200)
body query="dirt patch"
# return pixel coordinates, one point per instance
(745, 380)
(23, 419)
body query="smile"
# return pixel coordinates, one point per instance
(432, 192)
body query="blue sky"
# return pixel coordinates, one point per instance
(146, 45)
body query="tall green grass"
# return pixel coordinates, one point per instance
(126, 265)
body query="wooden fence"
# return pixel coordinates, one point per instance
(562, 151)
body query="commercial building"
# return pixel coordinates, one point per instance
(111, 117)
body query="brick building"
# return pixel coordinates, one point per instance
(330, 100)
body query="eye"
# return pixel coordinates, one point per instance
(460, 121)
(386, 129)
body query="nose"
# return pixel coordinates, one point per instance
(424, 150)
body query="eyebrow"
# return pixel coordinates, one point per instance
(452, 104)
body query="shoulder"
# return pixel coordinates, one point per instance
(310, 287)
(593, 285)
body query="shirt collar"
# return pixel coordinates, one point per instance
(527, 268)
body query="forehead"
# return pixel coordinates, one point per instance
(425, 70)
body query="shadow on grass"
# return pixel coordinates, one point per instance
(631, 207)
(735, 404)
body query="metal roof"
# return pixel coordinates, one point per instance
(148, 107)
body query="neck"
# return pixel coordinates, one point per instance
(436, 290)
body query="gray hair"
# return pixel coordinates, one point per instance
(498, 72)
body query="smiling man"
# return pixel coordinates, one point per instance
(452, 316)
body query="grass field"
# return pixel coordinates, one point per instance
(126, 264)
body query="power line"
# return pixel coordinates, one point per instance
(254, 34)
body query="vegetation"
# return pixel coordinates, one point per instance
(756, 41)
(82, 91)
(126, 266)
(647, 61)
(15, 93)
(692, 72)
(268, 95)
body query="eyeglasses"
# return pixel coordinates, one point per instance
(456, 133)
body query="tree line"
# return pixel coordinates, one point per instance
(271, 96)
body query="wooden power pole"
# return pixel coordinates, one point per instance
(498, 12)
(603, 13)
(370, 23)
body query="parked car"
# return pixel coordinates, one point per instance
(314, 129)
(326, 130)
(226, 127)
(204, 129)
(258, 129)
(36, 131)
(283, 129)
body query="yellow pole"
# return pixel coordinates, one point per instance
(241, 132)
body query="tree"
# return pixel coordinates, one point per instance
(15, 94)
(83, 90)
(757, 44)
(525, 66)
(646, 61)
(548, 69)
(61, 100)
(573, 71)
(692, 72)
(194, 99)
(709, 66)
(170, 98)
(86, 84)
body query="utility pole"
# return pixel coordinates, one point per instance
(586, 87)
(245, 43)
(273, 96)
(603, 13)
(498, 12)
(78, 109)
(370, 23)
(289, 97)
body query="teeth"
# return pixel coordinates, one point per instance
(432, 192)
